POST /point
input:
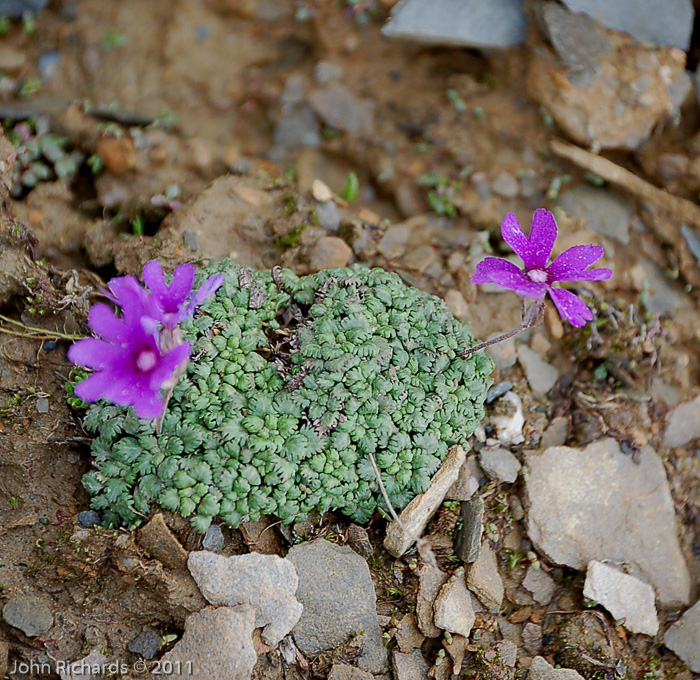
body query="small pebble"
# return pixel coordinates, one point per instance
(321, 191)
(48, 64)
(50, 345)
(146, 644)
(505, 185)
(328, 216)
(497, 391)
(213, 540)
(88, 518)
(42, 405)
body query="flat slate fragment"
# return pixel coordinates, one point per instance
(470, 23)
(597, 503)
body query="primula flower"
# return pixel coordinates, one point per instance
(173, 299)
(130, 368)
(537, 277)
(140, 355)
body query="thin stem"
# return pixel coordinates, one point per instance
(34, 332)
(532, 316)
(423, 546)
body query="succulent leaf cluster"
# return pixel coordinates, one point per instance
(292, 383)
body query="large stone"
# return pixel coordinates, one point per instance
(265, 582)
(499, 463)
(430, 582)
(453, 610)
(588, 104)
(484, 580)
(336, 590)
(601, 210)
(217, 644)
(683, 637)
(597, 503)
(469, 23)
(400, 536)
(664, 22)
(683, 424)
(31, 614)
(624, 596)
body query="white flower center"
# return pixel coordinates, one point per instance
(537, 275)
(146, 360)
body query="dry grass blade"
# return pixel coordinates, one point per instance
(34, 332)
(678, 210)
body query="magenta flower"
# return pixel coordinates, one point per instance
(174, 300)
(130, 368)
(139, 356)
(536, 279)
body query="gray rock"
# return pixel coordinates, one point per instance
(430, 582)
(42, 405)
(328, 216)
(296, 128)
(624, 596)
(541, 585)
(541, 670)
(217, 644)
(358, 540)
(467, 483)
(499, 463)
(339, 108)
(531, 635)
(452, 609)
(505, 185)
(146, 644)
(88, 518)
(31, 614)
(411, 666)
(683, 638)
(601, 210)
(468, 539)
(690, 234)
(336, 590)
(664, 22)
(83, 668)
(497, 391)
(556, 433)
(597, 503)
(265, 582)
(408, 636)
(416, 515)
(341, 671)
(484, 580)
(683, 424)
(213, 540)
(507, 652)
(578, 40)
(16, 8)
(540, 375)
(468, 23)
(660, 294)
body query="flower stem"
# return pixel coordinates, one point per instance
(532, 316)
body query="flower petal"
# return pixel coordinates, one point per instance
(514, 236)
(181, 285)
(506, 274)
(106, 324)
(148, 404)
(209, 287)
(570, 307)
(107, 384)
(543, 234)
(152, 276)
(168, 365)
(571, 265)
(94, 354)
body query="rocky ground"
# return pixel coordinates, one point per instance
(565, 542)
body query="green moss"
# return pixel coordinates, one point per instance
(291, 385)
